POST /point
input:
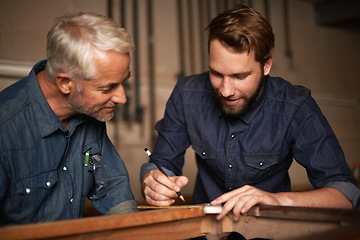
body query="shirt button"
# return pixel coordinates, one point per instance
(229, 188)
(71, 200)
(230, 167)
(261, 164)
(64, 168)
(27, 190)
(203, 153)
(48, 184)
(232, 136)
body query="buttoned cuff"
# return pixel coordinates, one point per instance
(350, 191)
(124, 207)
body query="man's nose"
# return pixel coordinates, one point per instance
(227, 87)
(119, 95)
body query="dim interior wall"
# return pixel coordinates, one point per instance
(24, 24)
(323, 59)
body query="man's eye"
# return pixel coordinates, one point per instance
(216, 74)
(241, 77)
(107, 90)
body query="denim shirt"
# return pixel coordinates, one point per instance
(43, 174)
(257, 149)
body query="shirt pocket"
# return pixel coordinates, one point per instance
(34, 195)
(94, 147)
(91, 149)
(87, 152)
(259, 166)
(207, 156)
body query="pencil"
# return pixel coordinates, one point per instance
(161, 170)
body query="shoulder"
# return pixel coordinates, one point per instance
(280, 90)
(287, 99)
(18, 95)
(13, 99)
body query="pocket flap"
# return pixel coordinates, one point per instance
(260, 161)
(43, 180)
(204, 152)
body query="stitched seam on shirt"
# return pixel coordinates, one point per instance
(287, 101)
(279, 113)
(21, 107)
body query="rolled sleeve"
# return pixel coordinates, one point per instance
(124, 207)
(350, 191)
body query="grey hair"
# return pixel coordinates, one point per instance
(70, 44)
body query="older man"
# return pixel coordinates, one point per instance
(54, 149)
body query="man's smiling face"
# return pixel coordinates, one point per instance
(235, 77)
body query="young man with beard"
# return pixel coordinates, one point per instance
(54, 148)
(246, 127)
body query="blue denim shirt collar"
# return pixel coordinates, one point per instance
(46, 119)
(249, 115)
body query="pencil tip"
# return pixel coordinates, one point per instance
(182, 198)
(145, 149)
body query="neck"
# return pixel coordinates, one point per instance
(55, 98)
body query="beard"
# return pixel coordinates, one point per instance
(99, 112)
(239, 109)
(94, 113)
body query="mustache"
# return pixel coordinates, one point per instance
(220, 97)
(109, 105)
(232, 98)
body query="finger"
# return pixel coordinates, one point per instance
(181, 181)
(159, 203)
(226, 196)
(236, 198)
(158, 191)
(158, 177)
(267, 199)
(156, 198)
(157, 195)
(237, 203)
(239, 208)
(228, 206)
(169, 182)
(223, 198)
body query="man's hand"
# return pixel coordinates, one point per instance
(242, 199)
(160, 190)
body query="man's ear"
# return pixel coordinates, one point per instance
(267, 66)
(63, 82)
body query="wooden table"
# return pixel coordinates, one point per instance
(272, 222)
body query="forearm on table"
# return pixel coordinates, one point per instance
(324, 197)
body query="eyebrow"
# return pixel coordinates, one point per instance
(214, 71)
(242, 74)
(127, 77)
(112, 85)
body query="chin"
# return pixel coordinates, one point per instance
(103, 118)
(233, 111)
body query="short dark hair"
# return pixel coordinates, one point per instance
(243, 29)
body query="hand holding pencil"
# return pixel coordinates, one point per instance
(160, 189)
